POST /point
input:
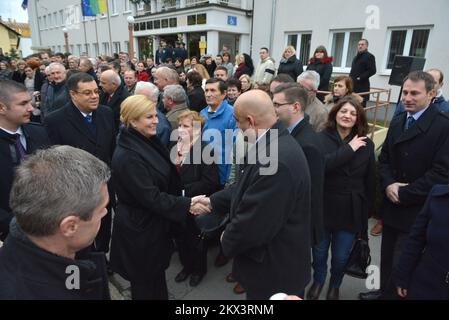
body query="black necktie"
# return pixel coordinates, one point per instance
(19, 147)
(409, 123)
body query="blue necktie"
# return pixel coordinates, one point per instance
(88, 118)
(19, 147)
(409, 123)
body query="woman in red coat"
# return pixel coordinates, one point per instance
(141, 74)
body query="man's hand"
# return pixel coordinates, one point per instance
(200, 205)
(392, 191)
(402, 292)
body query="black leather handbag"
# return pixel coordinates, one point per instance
(359, 259)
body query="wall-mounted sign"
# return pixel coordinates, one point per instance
(232, 20)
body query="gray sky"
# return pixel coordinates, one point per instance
(13, 9)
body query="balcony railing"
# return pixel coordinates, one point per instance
(165, 5)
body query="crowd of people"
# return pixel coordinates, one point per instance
(150, 146)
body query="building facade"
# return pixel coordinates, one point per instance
(9, 38)
(194, 22)
(392, 28)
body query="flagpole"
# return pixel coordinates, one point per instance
(109, 26)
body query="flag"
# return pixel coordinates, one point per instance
(25, 4)
(91, 8)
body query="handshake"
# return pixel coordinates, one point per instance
(200, 205)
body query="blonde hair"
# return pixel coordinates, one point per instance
(201, 70)
(292, 49)
(192, 114)
(240, 58)
(132, 108)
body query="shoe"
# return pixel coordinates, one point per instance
(370, 295)
(182, 276)
(109, 270)
(195, 279)
(376, 230)
(230, 278)
(314, 291)
(238, 289)
(221, 260)
(333, 294)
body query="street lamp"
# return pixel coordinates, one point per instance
(66, 38)
(131, 20)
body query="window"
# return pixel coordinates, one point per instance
(45, 22)
(59, 49)
(72, 49)
(140, 6)
(106, 48)
(55, 19)
(164, 23)
(61, 17)
(157, 24)
(79, 49)
(40, 23)
(406, 42)
(87, 48)
(96, 51)
(201, 19)
(127, 46)
(113, 6)
(50, 21)
(127, 6)
(149, 25)
(301, 43)
(117, 47)
(344, 47)
(143, 26)
(173, 22)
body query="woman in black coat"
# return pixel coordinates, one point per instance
(348, 191)
(422, 272)
(198, 178)
(197, 99)
(322, 64)
(290, 64)
(149, 199)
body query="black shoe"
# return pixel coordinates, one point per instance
(195, 279)
(109, 270)
(314, 291)
(220, 260)
(182, 276)
(370, 295)
(333, 294)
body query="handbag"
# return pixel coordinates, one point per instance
(359, 259)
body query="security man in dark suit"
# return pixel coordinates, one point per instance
(414, 158)
(363, 67)
(18, 138)
(86, 125)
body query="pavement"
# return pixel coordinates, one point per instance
(214, 287)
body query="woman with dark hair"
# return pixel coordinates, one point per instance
(348, 191)
(342, 87)
(244, 65)
(322, 64)
(19, 74)
(227, 62)
(195, 92)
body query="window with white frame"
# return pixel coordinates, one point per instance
(61, 17)
(87, 48)
(59, 49)
(127, 46)
(79, 49)
(40, 23)
(140, 5)
(72, 49)
(44, 19)
(301, 43)
(50, 21)
(113, 6)
(127, 6)
(106, 48)
(96, 52)
(406, 42)
(116, 47)
(344, 47)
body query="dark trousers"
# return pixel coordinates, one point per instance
(154, 288)
(391, 248)
(192, 250)
(104, 234)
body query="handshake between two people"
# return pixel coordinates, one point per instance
(200, 205)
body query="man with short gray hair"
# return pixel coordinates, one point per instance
(53, 221)
(57, 94)
(114, 93)
(310, 80)
(174, 100)
(163, 77)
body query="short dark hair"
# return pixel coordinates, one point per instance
(367, 43)
(221, 68)
(8, 88)
(265, 48)
(417, 76)
(221, 84)
(361, 124)
(234, 83)
(195, 78)
(293, 93)
(283, 78)
(72, 82)
(60, 54)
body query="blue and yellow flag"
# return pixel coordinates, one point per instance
(91, 8)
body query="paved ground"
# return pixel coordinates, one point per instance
(214, 286)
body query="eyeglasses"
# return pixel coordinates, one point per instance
(88, 93)
(278, 105)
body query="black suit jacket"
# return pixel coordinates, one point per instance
(68, 127)
(419, 157)
(36, 138)
(363, 67)
(269, 230)
(119, 95)
(197, 99)
(310, 143)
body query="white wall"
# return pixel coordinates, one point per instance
(322, 16)
(25, 46)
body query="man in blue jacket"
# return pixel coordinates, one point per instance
(219, 115)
